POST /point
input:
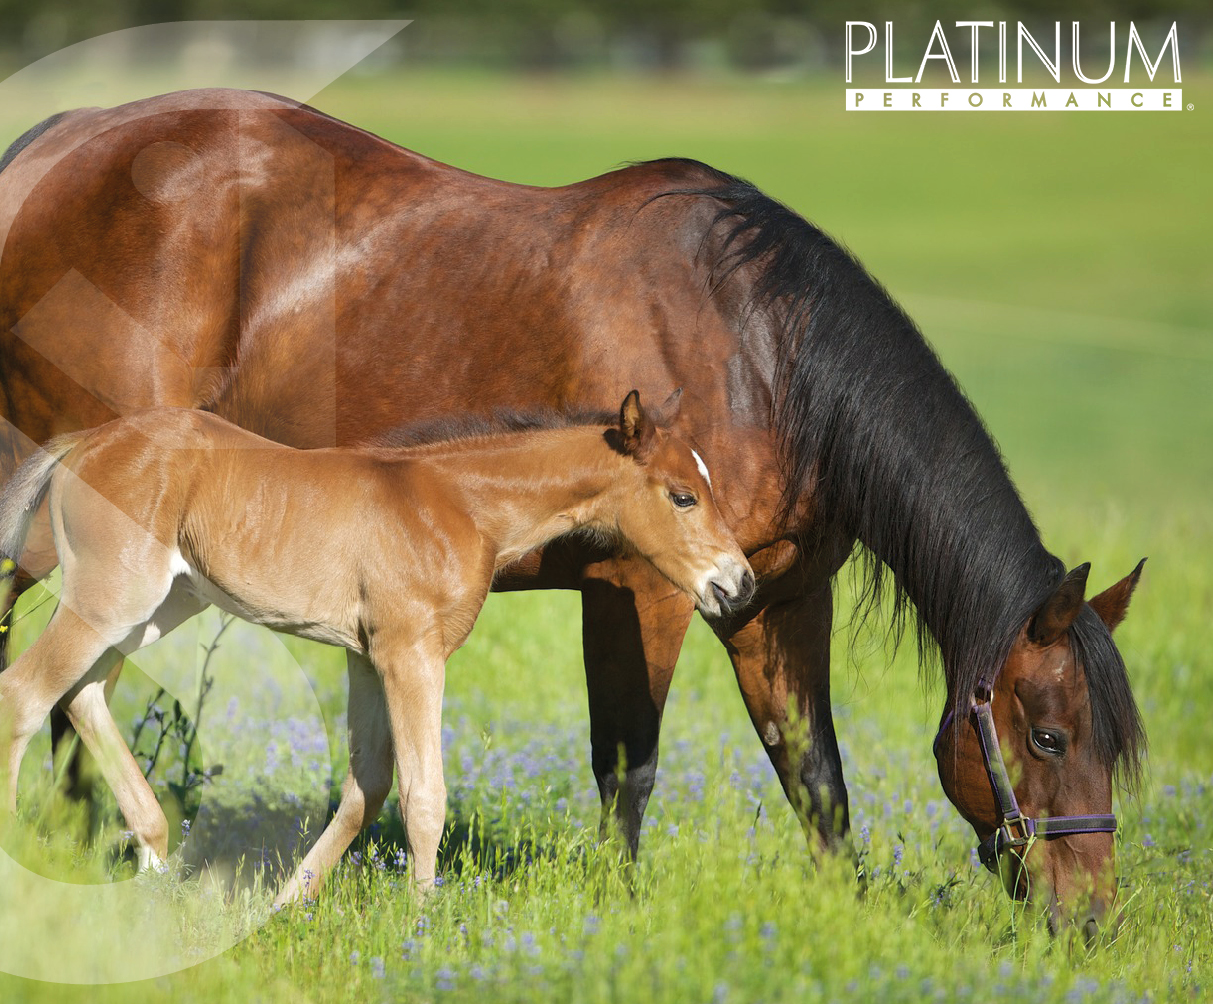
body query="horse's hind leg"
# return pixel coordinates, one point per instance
(77, 780)
(61, 729)
(60, 658)
(366, 785)
(87, 707)
(70, 663)
(76, 785)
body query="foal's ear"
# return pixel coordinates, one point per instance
(635, 427)
(1057, 613)
(669, 410)
(1113, 603)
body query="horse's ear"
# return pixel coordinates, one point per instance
(635, 427)
(1057, 613)
(669, 410)
(1113, 603)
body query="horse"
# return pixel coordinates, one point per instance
(387, 552)
(250, 256)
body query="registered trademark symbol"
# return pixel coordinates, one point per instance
(1190, 106)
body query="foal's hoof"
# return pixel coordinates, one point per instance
(301, 888)
(150, 861)
(425, 888)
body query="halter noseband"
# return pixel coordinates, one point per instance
(1014, 828)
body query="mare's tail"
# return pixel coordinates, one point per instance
(21, 497)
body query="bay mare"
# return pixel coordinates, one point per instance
(311, 282)
(388, 552)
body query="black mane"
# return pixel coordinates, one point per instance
(874, 428)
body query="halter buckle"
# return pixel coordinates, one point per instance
(1019, 831)
(1007, 836)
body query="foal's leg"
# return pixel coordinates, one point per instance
(413, 679)
(75, 784)
(59, 659)
(366, 785)
(633, 623)
(87, 708)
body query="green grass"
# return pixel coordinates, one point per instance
(1060, 264)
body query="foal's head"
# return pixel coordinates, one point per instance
(666, 511)
(1064, 720)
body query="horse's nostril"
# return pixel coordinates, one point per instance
(747, 586)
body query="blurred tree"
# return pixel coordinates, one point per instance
(630, 34)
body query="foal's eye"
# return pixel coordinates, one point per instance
(683, 500)
(1049, 742)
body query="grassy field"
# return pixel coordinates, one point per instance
(1061, 265)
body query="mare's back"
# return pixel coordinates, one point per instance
(318, 285)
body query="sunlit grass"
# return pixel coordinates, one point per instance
(725, 903)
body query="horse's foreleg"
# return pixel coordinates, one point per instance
(366, 785)
(413, 680)
(782, 660)
(633, 623)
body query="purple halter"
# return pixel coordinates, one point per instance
(1014, 828)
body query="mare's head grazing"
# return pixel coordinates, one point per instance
(666, 511)
(877, 436)
(1063, 722)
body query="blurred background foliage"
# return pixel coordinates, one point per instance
(767, 36)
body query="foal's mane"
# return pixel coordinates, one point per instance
(874, 428)
(26, 138)
(462, 428)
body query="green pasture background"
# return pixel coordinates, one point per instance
(1061, 266)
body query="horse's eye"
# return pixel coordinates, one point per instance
(683, 500)
(1048, 741)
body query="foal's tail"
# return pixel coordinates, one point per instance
(23, 494)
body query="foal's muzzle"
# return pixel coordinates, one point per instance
(732, 596)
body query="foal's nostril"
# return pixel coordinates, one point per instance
(747, 587)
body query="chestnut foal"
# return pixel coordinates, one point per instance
(388, 552)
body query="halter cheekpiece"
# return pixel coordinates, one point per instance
(1014, 828)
